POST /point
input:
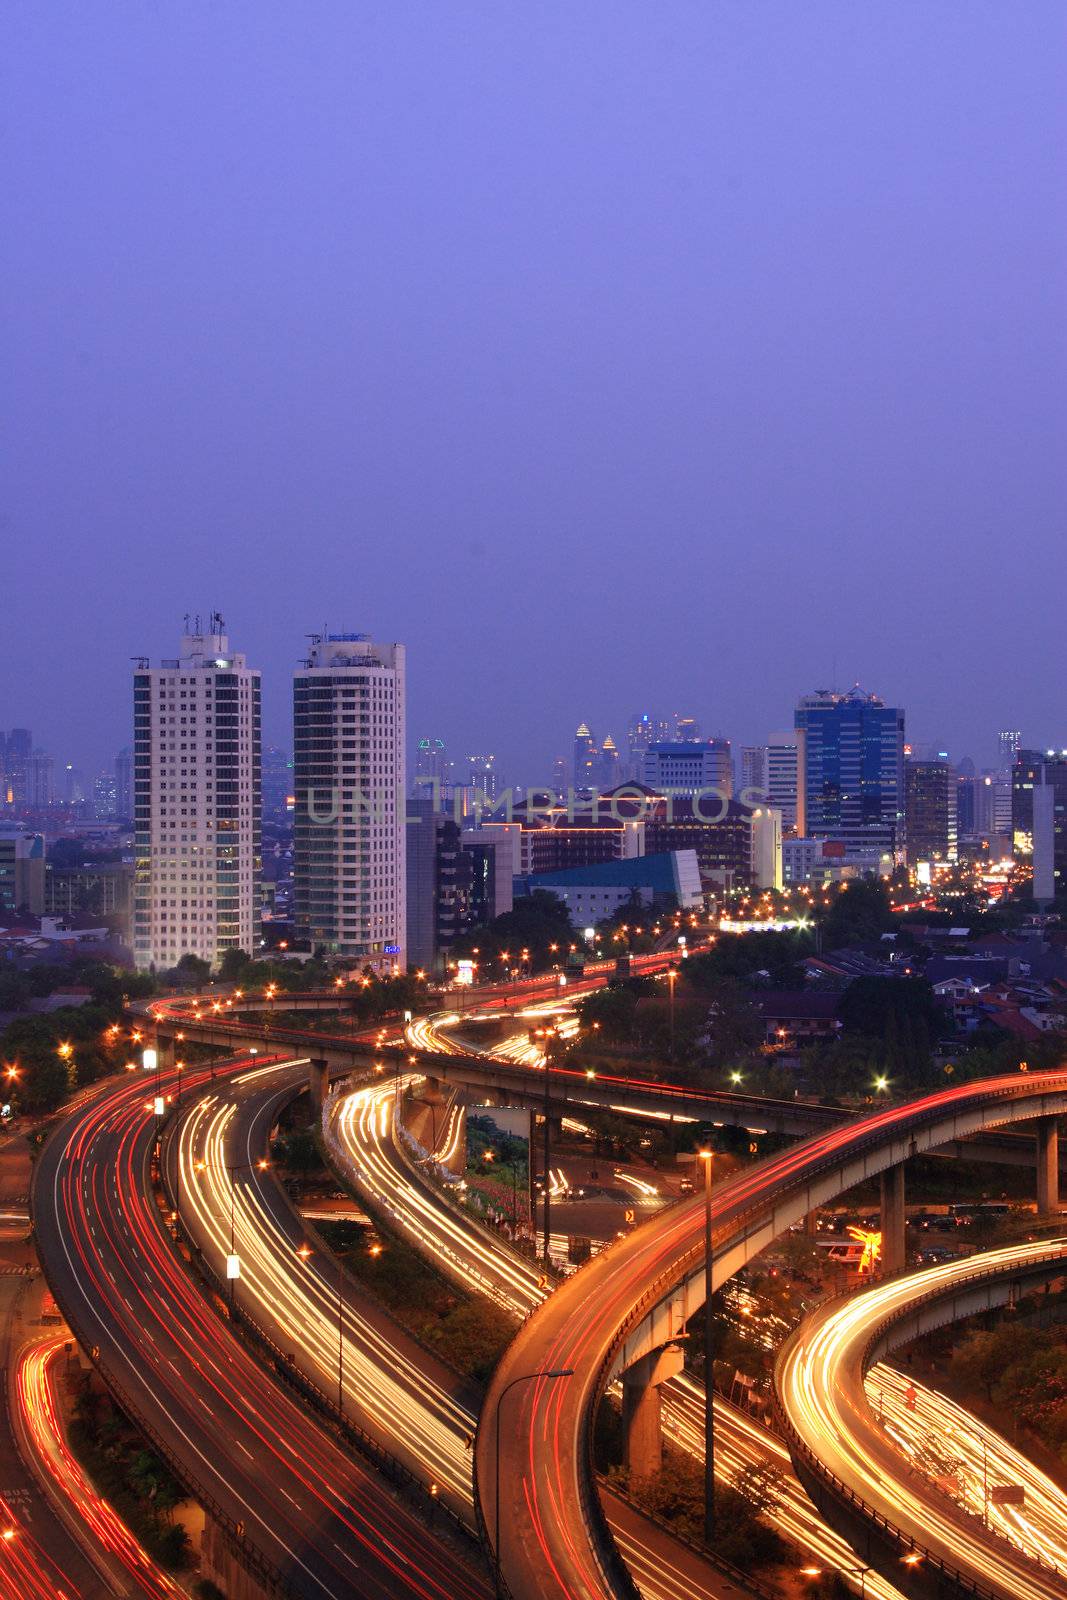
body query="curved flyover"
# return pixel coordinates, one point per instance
(361, 1139)
(293, 1507)
(861, 1478)
(405, 1402)
(638, 1295)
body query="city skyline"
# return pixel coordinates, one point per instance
(520, 765)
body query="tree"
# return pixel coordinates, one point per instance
(744, 955)
(861, 913)
(904, 1014)
(735, 1028)
(980, 1361)
(233, 964)
(192, 969)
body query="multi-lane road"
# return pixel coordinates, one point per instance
(418, 1410)
(293, 1500)
(199, 1392)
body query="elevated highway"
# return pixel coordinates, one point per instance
(865, 1483)
(637, 1296)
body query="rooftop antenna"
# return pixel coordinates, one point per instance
(187, 622)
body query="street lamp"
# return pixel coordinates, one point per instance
(233, 1260)
(524, 1377)
(855, 1572)
(709, 1361)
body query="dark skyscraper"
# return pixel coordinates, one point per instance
(930, 803)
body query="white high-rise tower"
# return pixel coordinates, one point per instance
(197, 803)
(349, 865)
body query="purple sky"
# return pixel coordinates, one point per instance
(609, 354)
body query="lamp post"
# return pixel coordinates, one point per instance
(547, 1151)
(524, 1377)
(855, 1572)
(233, 1260)
(179, 1067)
(709, 1361)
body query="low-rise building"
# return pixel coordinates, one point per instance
(594, 893)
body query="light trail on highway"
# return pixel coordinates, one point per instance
(828, 1400)
(39, 1414)
(325, 1524)
(364, 1123)
(385, 1388)
(279, 1285)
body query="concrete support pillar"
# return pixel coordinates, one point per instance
(164, 1050)
(811, 1224)
(318, 1083)
(432, 1091)
(641, 1406)
(894, 1256)
(1048, 1166)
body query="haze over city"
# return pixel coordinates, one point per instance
(612, 360)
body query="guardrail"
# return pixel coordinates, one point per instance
(744, 1580)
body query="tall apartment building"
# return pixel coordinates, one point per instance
(349, 871)
(851, 766)
(197, 802)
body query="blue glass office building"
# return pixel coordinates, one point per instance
(852, 771)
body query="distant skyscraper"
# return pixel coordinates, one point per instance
(104, 795)
(431, 764)
(852, 766)
(196, 802)
(124, 785)
(585, 755)
(559, 776)
(40, 780)
(277, 785)
(644, 729)
(17, 748)
(1009, 743)
(754, 768)
(73, 785)
(349, 865)
(606, 773)
(686, 730)
(482, 775)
